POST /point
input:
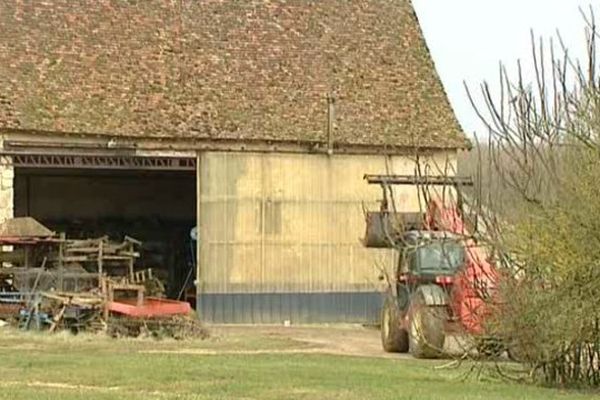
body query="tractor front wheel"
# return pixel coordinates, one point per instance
(394, 338)
(427, 335)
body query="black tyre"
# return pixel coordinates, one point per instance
(393, 337)
(427, 335)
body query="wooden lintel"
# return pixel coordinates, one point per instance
(23, 142)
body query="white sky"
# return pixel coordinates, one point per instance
(468, 39)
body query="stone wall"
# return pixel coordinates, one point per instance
(7, 174)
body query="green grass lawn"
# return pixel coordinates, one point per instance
(95, 367)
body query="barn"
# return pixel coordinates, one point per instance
(253, 121)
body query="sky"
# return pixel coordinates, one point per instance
(469, 38)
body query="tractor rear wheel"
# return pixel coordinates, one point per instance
(393, 337)
(427, 335)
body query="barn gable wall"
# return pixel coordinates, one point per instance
(280, 235)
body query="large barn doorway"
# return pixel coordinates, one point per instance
(157, 207)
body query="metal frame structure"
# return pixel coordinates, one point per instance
(125, 162)
(418, 180)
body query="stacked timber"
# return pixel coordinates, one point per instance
(101, 255)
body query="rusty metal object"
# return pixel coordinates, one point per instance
(23, 228)
(149, 307)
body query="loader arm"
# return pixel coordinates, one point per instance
(477, 281)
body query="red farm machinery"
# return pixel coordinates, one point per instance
(442, 280)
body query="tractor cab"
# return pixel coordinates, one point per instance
(429, 257)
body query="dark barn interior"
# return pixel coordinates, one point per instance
(156, 207)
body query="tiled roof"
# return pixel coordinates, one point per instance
(8, 116)
(255, 69)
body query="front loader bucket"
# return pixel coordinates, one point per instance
(385, 229)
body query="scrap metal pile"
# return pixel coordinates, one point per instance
(50, 283)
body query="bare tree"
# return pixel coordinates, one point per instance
(544, 157)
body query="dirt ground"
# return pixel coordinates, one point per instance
(353, 340)
(349, 340)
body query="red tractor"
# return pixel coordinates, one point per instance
(442, 280)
